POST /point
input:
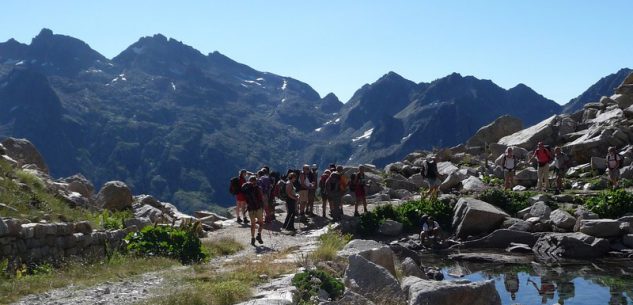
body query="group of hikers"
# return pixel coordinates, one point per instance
(557, 161)
(256, 194)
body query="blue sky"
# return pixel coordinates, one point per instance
(559, 48)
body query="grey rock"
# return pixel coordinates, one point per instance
(446, 168)
(577, 245)
(563, 219)
(529, 137)
(452, 181)
(372, 281)
(626, 172)
(475, 217)
(410, 268)
(473, 184)
(418, 180)
(356, 246)
(516, 224)
(627, 240)
(598, 164)
(78, 183)
(500, 239)
(350, 298)
(150, 212)
(114, 196)
(540, 209)
(493, 132)
(601, 227)
(526, 177)
(138, 222)
(23, 151)
(401, 185)
(390, 228)
(426, 292)
(492, 258)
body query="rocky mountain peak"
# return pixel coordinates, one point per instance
(330, 103)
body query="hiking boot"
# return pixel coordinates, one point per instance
(239, 220)
(259, 239)
(246, 221)
(252, 241)
(356, 214)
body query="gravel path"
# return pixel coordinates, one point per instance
(135, 289)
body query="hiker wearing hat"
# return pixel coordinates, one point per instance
(614, 162)
(543, 157)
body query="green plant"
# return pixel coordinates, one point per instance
(625, 183)
(507, 200)
(329, 244)
(408, 213)
(492, 181)
(181, 244)
(114, 220)
(308, 286)
(223, 246)
(611, 203)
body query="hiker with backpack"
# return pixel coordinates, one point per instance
(431, 174)
(235, 189)
(255, 207)
(560, 165)
(614, 162)
(508, 162)
(334, 193)
(357, 185)
(323, 192)
(287, 192)
(543, 157)
(312, 177)
(264, 183)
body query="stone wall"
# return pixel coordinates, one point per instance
(36, 242)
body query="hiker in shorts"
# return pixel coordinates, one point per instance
(255, 207)
(304, 186)
(240, 199)
(323, 193)
(265, 184)
(614, 162)
(560, 166)
(508, 163)
(291, 202)
(543, 157)
(432, 175)
(359, 190)
(312, 178)
(430, 229)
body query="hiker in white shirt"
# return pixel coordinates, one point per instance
(508, 163)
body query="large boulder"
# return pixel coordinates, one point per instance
(150, 212)
(453, 180)
(426, 292)
(78, 183)
(115, 196)
(410, 268)
(570, 245)
(493, 132)
(446, 168)
(601, 227)
(563, 219)
(540, 209)
(390, 228)
(626, 172)
(475, 217)
(529, 137)
(372, 281)
(500, 239)
(397, 184)
(23, 151)
(473, 184)
(356, 246)
(526, 177)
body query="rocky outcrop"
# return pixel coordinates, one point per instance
(423, 292)
(562, 219)
(115, 196)
(500, 239)
(529, 137)
(493, 132)
(23, 151)
(474, 217)
(601, 227)
(372, 281)
(577, 245)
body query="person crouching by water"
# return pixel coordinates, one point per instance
(291, 203)
(430, 229)
(508, 163)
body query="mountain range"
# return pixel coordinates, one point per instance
(176, 123)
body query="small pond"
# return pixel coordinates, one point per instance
(608, 282)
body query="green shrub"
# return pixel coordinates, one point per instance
(408, 213)
(329, 244)
(181, 244)
(114, 220)
(492, 181)
(611, 203)
(307, 287)
(507, 200)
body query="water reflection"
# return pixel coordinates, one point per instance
(580, 283)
